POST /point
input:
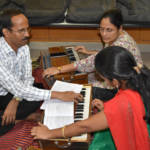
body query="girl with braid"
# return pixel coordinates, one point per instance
(126, 117)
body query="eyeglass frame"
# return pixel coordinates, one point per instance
(21, 31)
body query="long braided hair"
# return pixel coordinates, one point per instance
(116, 62)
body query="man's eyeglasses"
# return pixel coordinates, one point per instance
(22, 31)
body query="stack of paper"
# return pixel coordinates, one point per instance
(59, 113)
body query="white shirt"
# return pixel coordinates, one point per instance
(16, 74)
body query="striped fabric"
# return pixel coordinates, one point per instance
(19, 138)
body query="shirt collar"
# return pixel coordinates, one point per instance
(7, 48)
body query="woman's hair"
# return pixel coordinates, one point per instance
(5, 19)
(115, 17)
(116, 62)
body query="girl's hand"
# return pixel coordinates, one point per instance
(98, 104)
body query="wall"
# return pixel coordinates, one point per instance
(47, 34)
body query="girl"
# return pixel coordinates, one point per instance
(124, 114)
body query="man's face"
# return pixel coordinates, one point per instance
(18, 35)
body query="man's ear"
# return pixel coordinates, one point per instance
(115, 83)
(5, 32)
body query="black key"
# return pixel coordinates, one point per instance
(76, 113)
(83, 93)
(81, 103)
(80, 106)
(78, 116)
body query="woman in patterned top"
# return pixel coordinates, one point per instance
(112, 34)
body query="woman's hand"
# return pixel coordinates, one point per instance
(98, 104)
(40, 132)
(81, 49)
(51, 71)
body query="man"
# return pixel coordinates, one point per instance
(18, 98)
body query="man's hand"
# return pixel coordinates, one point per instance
(9, 115)
(67, 96)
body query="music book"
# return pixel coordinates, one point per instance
(58, 113)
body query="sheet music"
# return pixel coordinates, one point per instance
(59, 113)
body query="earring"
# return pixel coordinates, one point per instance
(117, 88)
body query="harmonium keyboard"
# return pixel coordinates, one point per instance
(82, 111)
(59, 56)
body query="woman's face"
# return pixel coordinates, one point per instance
(109, 32)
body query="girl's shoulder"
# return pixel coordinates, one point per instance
(123, 97)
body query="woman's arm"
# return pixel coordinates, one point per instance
(94, 123)
(83, 50)
(57, 70)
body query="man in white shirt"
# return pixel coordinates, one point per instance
(18, 97)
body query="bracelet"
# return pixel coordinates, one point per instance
(59, 69)
(63, 132)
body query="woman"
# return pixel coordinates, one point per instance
(124, 114)
(111, 33)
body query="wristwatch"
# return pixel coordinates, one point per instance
(18, 99)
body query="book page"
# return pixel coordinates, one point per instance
(58, 113)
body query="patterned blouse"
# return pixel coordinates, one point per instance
(87, 64)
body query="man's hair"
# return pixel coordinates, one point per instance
(5, 19)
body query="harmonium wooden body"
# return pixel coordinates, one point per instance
(59, 56)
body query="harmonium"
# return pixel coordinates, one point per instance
(59, 56)
(82, 111)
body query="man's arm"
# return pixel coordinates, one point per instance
(27, 69)
(30, 93)
(15, 86)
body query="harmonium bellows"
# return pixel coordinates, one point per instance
(59, 56)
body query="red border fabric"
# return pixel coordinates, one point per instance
(125, 120)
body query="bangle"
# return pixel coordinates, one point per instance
(59, 69)
(63, 132)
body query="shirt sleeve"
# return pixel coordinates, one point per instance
(86, 65)
(19, 89)
(27, 71)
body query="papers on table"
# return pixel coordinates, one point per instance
(59, 113)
